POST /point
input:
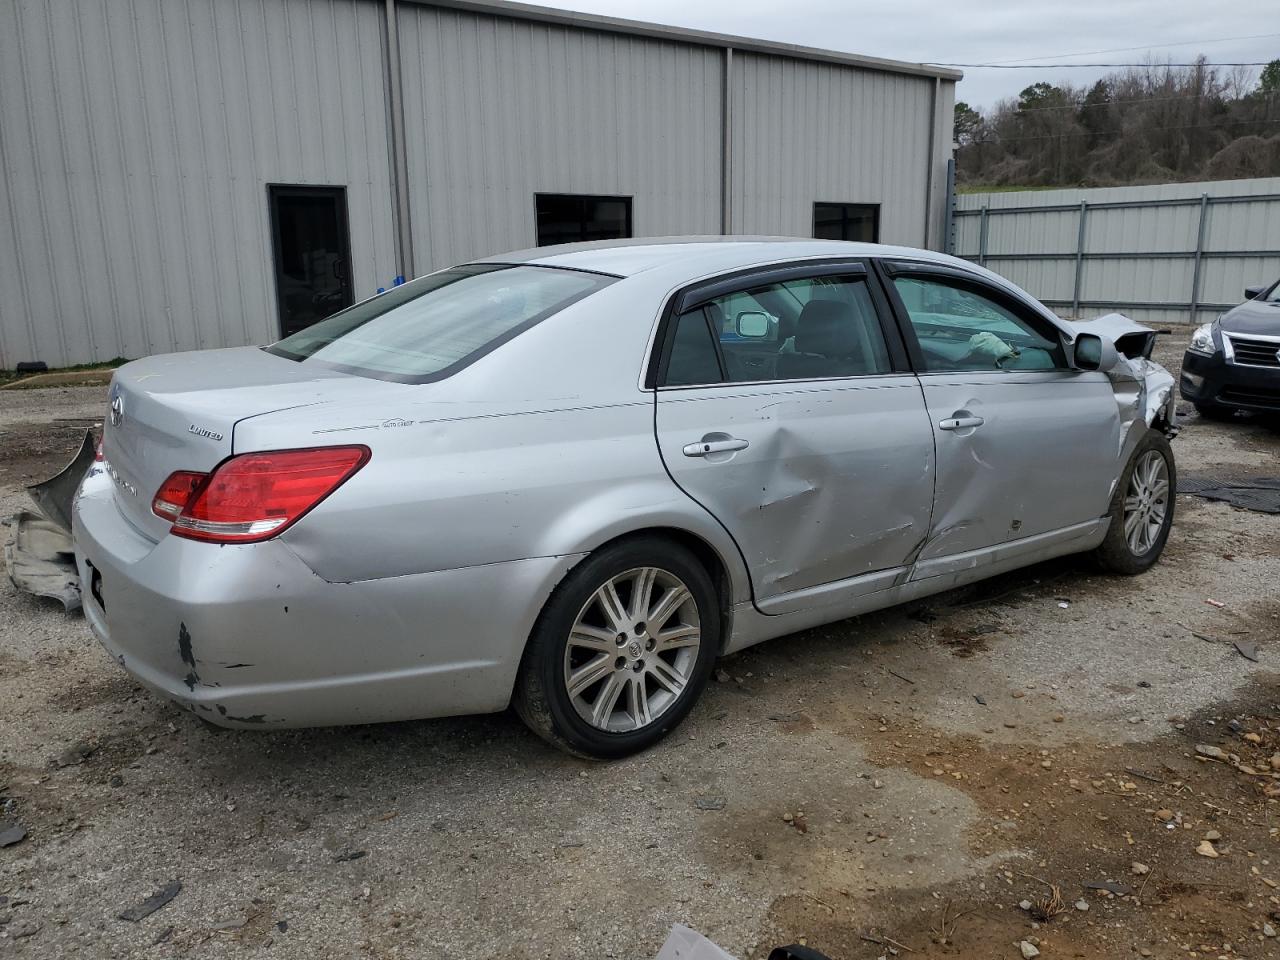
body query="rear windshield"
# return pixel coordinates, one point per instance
(432, 327)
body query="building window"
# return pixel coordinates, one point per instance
(568, 218)
(847, 221)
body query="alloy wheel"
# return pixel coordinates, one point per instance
(1147, 502)
(632, 650)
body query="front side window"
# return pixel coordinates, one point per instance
(570, 218)
(810, 328)
(960, 328)
(427, 329)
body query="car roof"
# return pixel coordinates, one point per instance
(696, 256)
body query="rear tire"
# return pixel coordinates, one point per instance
(622, 650)
(1141, 509)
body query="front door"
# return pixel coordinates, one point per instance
(313, 256)
(786, 409)
(1026, 445)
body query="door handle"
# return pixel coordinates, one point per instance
(704, 447)
(960, 423)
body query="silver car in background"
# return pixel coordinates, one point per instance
(570, 478)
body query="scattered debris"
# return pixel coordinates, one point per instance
(11, 833)
(1082, 905)
(1205, 849)
(1045, 909)
(1139, 869)
(1118, 889)
(1214, 603)
(1247, 649)
(75, 754)
(722, 675)
(1212, 752)
(347, 856)
(153, 903)
(1028, 948)
(1260, 494)
(685, 944)
(981, 700)
(945, 932)
(710, 803)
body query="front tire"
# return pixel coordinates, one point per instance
(622, 650)
(1141, 509)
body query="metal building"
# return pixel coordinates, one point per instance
(180, 175)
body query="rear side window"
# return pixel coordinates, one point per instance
(430, 328)
(693, 354)
(810, 328)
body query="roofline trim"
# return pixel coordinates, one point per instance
(657, 31)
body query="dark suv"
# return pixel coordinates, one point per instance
(1234, 363)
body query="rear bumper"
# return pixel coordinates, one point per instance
(249, 636)
(1213, 381)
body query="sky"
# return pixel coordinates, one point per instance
(969, 31)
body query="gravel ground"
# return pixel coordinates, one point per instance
(910, 775)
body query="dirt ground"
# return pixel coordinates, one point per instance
(896, 784)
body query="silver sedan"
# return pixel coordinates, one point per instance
(569, 479)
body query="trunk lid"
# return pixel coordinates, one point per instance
(179, 412)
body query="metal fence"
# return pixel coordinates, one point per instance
(1162, 254)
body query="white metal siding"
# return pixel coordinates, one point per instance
(497, 110)
(805, 132)
(137, 138)
(1239, 226)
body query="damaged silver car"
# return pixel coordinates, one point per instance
(570, 478)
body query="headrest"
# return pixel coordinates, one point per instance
(826, 327)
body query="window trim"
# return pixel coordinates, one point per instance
(627, 200)
(875, 217)
(889, 270)
(700, 292)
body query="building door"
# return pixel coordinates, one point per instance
(313, 254)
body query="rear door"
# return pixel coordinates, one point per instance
(785, 407)
(1026, 445)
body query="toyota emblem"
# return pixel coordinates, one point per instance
(117, 410)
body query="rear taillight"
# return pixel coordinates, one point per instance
(97, 452)
(175, 492)
(255, 496)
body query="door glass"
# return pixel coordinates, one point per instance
(312, 254)
(961, 329)
(812, 328)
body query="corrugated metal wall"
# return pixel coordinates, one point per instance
(1135, 256)
(497, 110)
(806, 132)
(137, 138)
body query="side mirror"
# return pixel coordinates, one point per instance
(753, 325)
(1093, 352)
(1253, 293)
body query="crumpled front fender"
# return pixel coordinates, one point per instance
(1143, 388)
